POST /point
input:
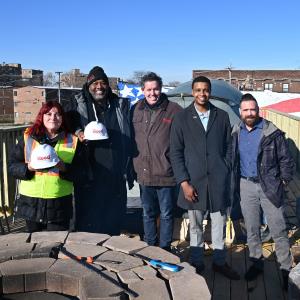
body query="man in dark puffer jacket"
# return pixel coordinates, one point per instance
(101, 204)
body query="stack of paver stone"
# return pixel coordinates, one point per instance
(116, 267)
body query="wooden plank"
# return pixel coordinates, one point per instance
(238, 262)
(221, 287)
(272, 280)
(256, 288)
(208, 273)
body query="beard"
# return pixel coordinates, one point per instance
(250, 121)
(99, 97)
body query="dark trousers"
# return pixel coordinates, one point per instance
(157, 201)
(100, 209)
(33, 226)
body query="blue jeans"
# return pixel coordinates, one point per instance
(157, 201)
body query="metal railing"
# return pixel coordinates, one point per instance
(8, 137)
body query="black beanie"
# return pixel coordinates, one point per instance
(97, 73)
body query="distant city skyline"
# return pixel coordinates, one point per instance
(166, 37)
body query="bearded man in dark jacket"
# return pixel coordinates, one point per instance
(101, 203)
(262, 167)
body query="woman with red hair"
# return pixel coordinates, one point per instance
(45, 189)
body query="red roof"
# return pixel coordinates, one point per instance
(287, 106)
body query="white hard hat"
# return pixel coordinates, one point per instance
(95, 131)
(43, 157)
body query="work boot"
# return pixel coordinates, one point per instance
(253, 272)
(226, 271)
(285, 278)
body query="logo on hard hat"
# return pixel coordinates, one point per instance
(43, 157)
(95, 131)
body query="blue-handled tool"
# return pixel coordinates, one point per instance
(159, 264)
(165, 266)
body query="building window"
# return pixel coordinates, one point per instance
(16, 115)
(15, 93)
(285, 87)
(269, 86)
(42, 93)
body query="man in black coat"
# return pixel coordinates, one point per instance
(101, 203)
(200, 157)
(262, 166)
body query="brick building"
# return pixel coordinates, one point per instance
(14, 75)
(282, 81)
(33, 77)
(28, 100)
(6, 105)
(76, 79)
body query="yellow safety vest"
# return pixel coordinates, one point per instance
(47, 184)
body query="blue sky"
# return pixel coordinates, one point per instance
(168, 37)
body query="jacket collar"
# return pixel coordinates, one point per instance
(268, 128)
(162, 106)
(212, 115)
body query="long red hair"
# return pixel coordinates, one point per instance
(38, 127)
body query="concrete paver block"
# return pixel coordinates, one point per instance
(145, 272)
(64, 276)
(153, 252)
(185, 268)
(128, 276)
(35, 282)
(15, 252)
(189, 287)
(118, 261)
(46, 249)
(103, 287)
(87, 238)
(25, 274)
(49, 236)
(13, 284)
(150, 289)
(124, 244)
(14, 239)
(83, 250)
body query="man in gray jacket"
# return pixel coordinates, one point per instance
(152, 118)
(200, 156)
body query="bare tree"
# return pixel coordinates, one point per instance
(49, 79)
(67, 79)
(137, 76)
(174, 83)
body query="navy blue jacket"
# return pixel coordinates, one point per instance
(275, 164)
